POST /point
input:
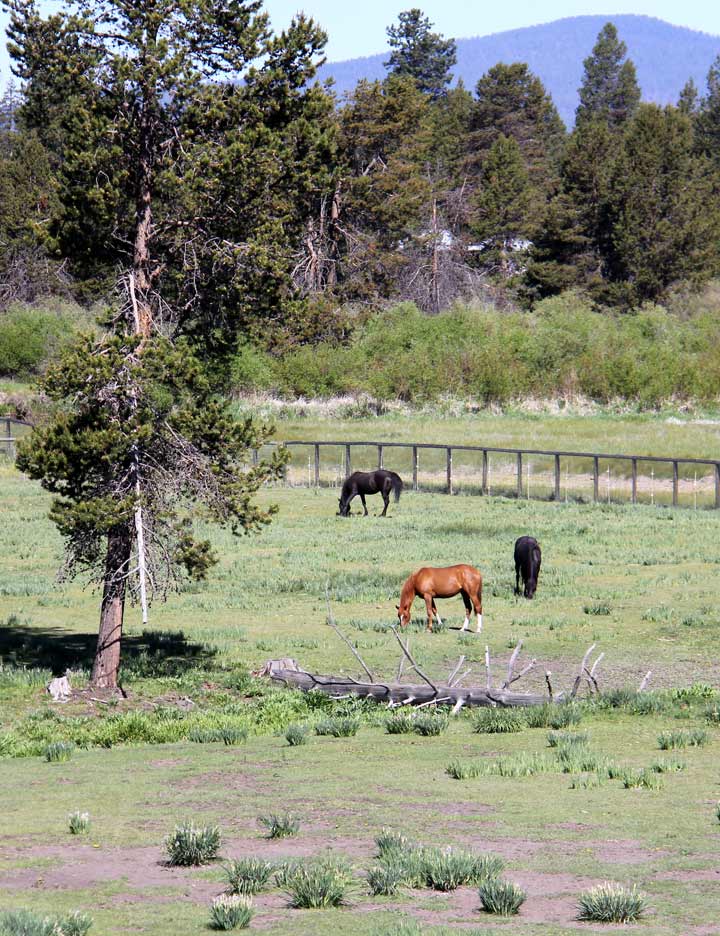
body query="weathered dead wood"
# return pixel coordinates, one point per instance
(412, 662)
(59, 689)
(403, 694)
(330, 621)
(646, 680)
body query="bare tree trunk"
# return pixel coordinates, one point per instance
(107, 655)
(142, 258)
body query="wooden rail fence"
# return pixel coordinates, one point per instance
(672, 464)
(519, 456)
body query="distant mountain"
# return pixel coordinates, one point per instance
(665, 57)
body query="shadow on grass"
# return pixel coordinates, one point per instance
(150, 654)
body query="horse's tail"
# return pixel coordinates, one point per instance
(396, 485)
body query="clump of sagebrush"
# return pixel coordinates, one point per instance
(230, 911)
(338, 727)
(385, 880)
(400, 723)
(565, 715)
(248, 875)
(611, 903)
(667, 740)
(284, 870)
(296, 734)
(501, 897)
(430, 724)
(28, 923)
(280, 825)
(388, 840)
(499, 721)
(449, 868)
(79, 823)
(189, 844)
(59, 751)
(319, 883)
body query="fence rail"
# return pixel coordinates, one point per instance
(521, 459)
(513, 477)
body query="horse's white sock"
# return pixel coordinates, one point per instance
(438, 618)
(466, 622)
(479, 623)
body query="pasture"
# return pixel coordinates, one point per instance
(641, 583)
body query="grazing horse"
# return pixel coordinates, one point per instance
(527, 564)
(369, 482)
(442, 583)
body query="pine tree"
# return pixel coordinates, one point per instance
(708, 117)
(662, 214)
(501, 210)
(609, 91)
(688, 101)
(420, 53)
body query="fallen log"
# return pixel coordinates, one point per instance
(394, 693)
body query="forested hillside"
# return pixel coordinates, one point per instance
(270, 226)
(665, 56)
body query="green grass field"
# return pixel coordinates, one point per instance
(640, 583)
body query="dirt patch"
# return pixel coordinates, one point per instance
(703, 874)
(621, 851)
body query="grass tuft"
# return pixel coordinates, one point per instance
(296, 734)
(230, 911)
(430, 724)
(248, 876)
(669, 740)
(499, 721)
(385, 880)
(611, 903)
(317, 884)
(189, 845)
(280, 825)
(501, 897)
(27, 923)
(79, 823)
(400, 723)
(338, 727)
(59, 751)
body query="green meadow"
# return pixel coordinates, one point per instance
(640, 583)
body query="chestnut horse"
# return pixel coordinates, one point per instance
(442, 583)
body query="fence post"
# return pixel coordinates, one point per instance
(675, 484)
(448, 469)
(634, 481)
(415, 467)
(519, 475)
(317, 465)
(596, 478)
(255, 456)
(380, 456)
(348, 462)
(484, 488)
(557, 477)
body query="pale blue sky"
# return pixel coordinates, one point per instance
(358, 28)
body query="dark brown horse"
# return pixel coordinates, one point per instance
(361, 483)
(431, 583)
(527, 564)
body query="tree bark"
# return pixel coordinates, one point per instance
(107, 655)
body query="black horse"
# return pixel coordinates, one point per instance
(369, 482)
(527, 564)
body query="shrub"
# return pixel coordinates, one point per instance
(400, 723)
(610, 903)
(698, 692)
(501, 897)
(59, 751)
(296, 734)
(338, 727)
(31, 336)
(446, 870)
(587, 782)
(190, 845)
(230, 911)
(75, 924)
(390, 841)
(280, 825)
(284, 870)
(228, 734)
(462, 770)
(430, 725)
(79, 823)
(538, 716)
(385, 880)
(597, 609)
(576, 758)
(248, 875)
(401, 928)
(519, 765)
(320, 883)
(499, 721)
(667, 740)
(565, 715)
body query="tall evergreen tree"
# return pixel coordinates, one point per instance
(609, 91)
(501, 210)
(420, 53)
(689, 99)
(708, 117)
(662, 221)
